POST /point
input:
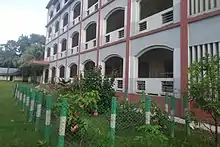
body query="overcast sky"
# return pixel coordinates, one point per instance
(22, 17)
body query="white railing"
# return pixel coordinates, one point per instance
(90, 44)
(106, 1)
(56, 34)
(65, 28)
(49, 38)
(156, 21)
(92, 9)
(47, 59)
(115, 35)
(62, 54)
(73, 50)
(155, 86)
(119, 84)
(197, 7)
(76, 20)
(53, 58)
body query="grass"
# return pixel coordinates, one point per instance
(14, 129)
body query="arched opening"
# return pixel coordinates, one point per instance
(75, 39)
(114, 67)
(51, 14)
(50, 32)
(117, 16)
(63, 45)
(53, 75)
(73, 70)
(151, 7)
(77, 10)
(91, 3)
(58, 7)
(65, 19)
(156, 63)
(89, 65)
(55, 47)
(46, 76)
(57, 26)
(62, 71)
(91, 32)
(48, 52)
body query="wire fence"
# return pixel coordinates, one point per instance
(90, 129)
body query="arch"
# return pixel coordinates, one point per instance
(113, 10)
(112, 55)
(90, 31)
(73, 70)
(50, 31)
(48, 52)
(151, 48)
(53, 69)
(63, 44)
(117, 15)
(46, 76)
(57, 26)
(75, 39)
(114, 66)
(76, 10)
(65, 19)
(62, 71)
(55, 48)
(155, 62)
(86, 27)
(89, 64)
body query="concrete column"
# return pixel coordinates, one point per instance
(133, 74)
(67, 72)
(176, 70)
(50, 74)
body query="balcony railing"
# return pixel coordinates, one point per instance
(115, 35)
(156, 21)
(53, 58)
(62, 54)
(90, 44)
(76, 20)
(119, 84)
(155, 86)
(47, 59)
(73, 50)
(92, 9)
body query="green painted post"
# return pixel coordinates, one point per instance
(113, 121)
(166, 103)
(48, 117)
(15, 91)
(27, 99)
(38, 112)
(147, 109)
(143, 99)
(18, 95)
(31, 112)
(172, 112)
(187, 117)
(62, 126)
(24, 98)
(126, 95)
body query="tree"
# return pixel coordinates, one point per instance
(204, 87)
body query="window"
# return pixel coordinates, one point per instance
(91, 2)
(75, 39)
(64, 42)
(48, 52)
(62, 71)
(58, 7)
(50, 32)
(76, 11)
(73, 71)
(65, 1)
(55, 47)
(117, 16)
(57, 26)
(65, 20)
(151, 7)
(51, 14)
(91, 32)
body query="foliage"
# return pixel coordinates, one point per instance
(204, 87)
(152, 136)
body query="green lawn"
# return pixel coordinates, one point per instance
(14, 129)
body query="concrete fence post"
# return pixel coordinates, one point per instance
(113, 121)
(31, 112)
(38, 112)
(48, 117)
(147, 109)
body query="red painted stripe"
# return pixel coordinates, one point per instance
(128, 44)
(184, 44)
(80, 36)
(99, 32)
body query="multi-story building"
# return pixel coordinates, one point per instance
(150, 43)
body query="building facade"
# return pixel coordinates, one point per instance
(149, 43)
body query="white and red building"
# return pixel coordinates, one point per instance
(150, 43)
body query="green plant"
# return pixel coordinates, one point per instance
(42, 143)
(152, 136)
(204, 88)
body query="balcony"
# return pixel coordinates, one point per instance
(90, 44)
(76, 20)
(53, 58)
(156, 21)
(62, 54)
(64, 29)
(155, 86)
(92, 9)
(114, 36)
(73, 50)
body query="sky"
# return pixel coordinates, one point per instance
(22, 17)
